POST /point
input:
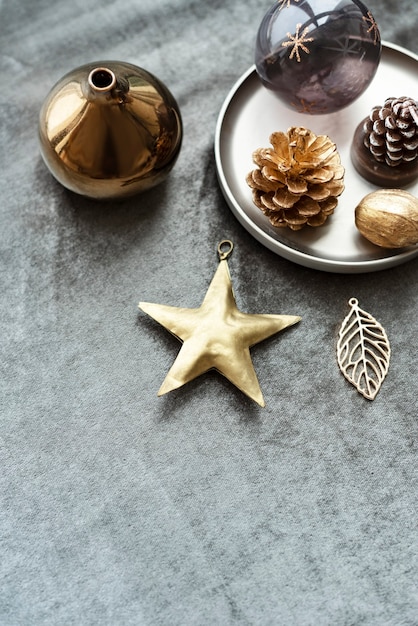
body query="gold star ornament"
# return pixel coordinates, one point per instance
(217, 335)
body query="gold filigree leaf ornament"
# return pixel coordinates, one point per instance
(363, 351)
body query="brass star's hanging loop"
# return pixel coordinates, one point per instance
(217, 335)
(225, 248)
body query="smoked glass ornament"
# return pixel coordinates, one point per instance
(317, 56)
(109, 130)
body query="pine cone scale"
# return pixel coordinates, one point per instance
(298, 186)
(283, 199)
(308, 209)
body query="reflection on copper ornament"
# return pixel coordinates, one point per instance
(217, 335)
(110, 130)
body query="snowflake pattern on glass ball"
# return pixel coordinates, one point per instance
(317, 56)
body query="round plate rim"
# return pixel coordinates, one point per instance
(280, 248)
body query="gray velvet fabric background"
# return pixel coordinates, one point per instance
(198, 508)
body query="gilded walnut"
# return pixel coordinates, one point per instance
(298, 180)
(388, 218)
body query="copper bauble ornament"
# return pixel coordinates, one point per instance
(110, 130)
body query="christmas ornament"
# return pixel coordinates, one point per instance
(385, 145)
(388, 218)
(317, 56)
(109, 130)
(298, 180)
(363, 351)
(217, 335)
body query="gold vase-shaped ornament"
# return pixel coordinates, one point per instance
(110, 130)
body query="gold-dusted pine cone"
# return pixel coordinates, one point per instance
(298, 180)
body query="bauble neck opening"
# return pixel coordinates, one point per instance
(102, 80)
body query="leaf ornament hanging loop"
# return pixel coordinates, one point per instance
(363, 351)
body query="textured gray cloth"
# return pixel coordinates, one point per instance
(198, 508)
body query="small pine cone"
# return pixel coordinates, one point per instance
(298, 180)
(391, 131)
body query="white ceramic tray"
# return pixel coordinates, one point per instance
(251, 113)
